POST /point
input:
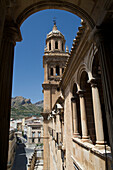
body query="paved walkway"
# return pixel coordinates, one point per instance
(23, 153)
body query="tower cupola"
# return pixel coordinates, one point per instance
(55, 40)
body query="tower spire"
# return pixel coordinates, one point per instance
(54, 20)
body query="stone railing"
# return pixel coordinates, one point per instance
(32, 161)
(37, 155)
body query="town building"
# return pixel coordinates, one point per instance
(35, 131)
(11, 148)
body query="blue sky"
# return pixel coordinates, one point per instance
(28, 74)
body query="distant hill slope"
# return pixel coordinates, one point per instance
(22, 107)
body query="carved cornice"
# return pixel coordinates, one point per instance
(45, 115)
(12, 32)
(73, 62)
(49, 85)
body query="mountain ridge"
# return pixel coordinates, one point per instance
(22, 107)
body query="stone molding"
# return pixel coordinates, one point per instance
(12, 32)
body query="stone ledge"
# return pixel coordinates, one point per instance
(76, 163)
(92, 148)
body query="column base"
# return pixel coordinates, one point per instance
(85, 139)
(76, 135)
(100, 144)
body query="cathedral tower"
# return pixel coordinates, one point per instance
(54, 61)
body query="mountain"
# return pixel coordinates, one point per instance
(40, 103)
(22, 107)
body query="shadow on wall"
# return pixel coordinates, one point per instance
(20, 161)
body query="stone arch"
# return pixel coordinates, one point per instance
(71, 85)
(92, 52)
(81, 69)
(86, 87)
(22, 15)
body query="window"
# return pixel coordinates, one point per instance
(56, 44)
(38, 137)
(49, 45)
(51, 71)
(62, 70)
(62, 46)
(33, 136)
(57, 71)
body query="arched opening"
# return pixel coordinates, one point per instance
(51, 71)
(49, 45)
(62, 70)
(76, 119)
(56, 45)
(86, 87)
(62, 46)
(96, 71)
(57, 71)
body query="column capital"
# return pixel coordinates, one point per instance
(93, 82)
(74, 98)
(12, 32)
(101, 33)
(45, 115)
(81, 93)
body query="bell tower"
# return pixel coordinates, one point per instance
(54, 61)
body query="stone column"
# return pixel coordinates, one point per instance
(83, 116)
(104, 42)
(75, 117)
(46, 142)
(97, 113)
(11, 34)
(2, 18)
(60, 71)
(58, 128)
(54, 71)
(45, 72)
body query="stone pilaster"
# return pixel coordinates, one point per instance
(75, 117)
(46, 141)
(45, 73)
(103, 38)
(54, 71)
(85, 136)
(11, 34)
(97, 113)
(60, 71)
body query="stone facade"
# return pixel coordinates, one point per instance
(35, 131)
(76, 123)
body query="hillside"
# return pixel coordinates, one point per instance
(22, 107)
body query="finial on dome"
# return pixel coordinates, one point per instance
(54, 20)
(54, 27)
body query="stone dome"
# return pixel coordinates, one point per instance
(55, 33)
